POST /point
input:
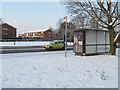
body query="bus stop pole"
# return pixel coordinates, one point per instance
(70, 29)
(66, 37)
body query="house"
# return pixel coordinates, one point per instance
(48, 34)
(45, 34)
(8, 31)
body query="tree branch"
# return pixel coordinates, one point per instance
(101, 24)
(114, 21)
(96, 15)
(101, 6)
(116, 25)
(115, 8)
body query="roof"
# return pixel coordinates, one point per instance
(86, 29)
(8, 25)
(58, 40)
(39, 30)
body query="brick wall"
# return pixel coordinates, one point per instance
(8, 31)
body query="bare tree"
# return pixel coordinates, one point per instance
(59, 22)
(106, 15)
(60, 31)
(80, 20)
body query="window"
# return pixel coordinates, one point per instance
(5, 28)
(5, 33)
(56, 42)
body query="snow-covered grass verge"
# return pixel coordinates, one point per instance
(27, 43)
(53, 70)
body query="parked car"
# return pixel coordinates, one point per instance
(56, 44)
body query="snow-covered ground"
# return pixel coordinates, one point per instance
(53, 70)
(27, 43)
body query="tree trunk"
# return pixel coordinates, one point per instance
(112, 45)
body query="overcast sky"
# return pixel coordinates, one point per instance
(30, 16)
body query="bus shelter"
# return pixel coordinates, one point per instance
(91, 41)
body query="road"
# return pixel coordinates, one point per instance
(7, 50)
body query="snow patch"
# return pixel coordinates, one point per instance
(53, 70)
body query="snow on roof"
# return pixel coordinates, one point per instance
(8, 25)
(87, 29)
(39, 30)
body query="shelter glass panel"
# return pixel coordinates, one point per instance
(78, 41)
(90, 49)
(90, 37)
(100, 37)
(107, 38)
(107, 48)
(101, 48)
